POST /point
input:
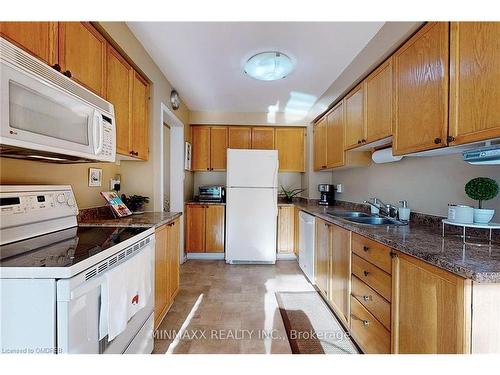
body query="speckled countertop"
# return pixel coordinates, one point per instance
(206, 203)
(145, 220)
(425, 242)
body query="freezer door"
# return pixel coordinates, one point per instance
(251, 220)
(252, 168)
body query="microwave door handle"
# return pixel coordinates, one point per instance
(98, 133)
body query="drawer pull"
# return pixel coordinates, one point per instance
(367, 298)
(366, 273)
(365, 249)
(365, 322)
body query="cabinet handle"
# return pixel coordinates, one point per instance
(366, 273)
(437, 141)
(365, 249)
(450, 138)
(323, 166)
(359, 141)
(366, 323)
(363, 141)
(366, 298)
(57, 67)
(393, 254)
(67, 73)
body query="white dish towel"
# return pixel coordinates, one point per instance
(125, 290)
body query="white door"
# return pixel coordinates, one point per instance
(252, 168)
(251, 220)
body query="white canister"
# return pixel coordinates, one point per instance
(460, 214)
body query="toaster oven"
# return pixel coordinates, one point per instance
(211, 193)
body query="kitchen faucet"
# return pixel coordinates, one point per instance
(386, 208)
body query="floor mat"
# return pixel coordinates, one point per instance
(310, 325)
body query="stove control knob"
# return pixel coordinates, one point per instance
(71, 202)
(61, 198)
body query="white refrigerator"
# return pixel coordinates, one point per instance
(251, 206)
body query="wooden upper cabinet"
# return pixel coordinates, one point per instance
(475, 81)
(335, 154)
(119, 83)
(195, 228)
(319, 143)
(82, 52)
(214, 227)
(38, 38)
(290, 143)
(340, 277)
(378, 103)
(354, 118)
(434, 309)
(263, 138)
(421, 91)
(201, 148)
(286, 231)
(240, 137)
(140, 123)
(218, 148)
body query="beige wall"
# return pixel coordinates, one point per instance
(427, 183)
(25, 172)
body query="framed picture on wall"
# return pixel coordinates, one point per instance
(95, 176)
(187, 156)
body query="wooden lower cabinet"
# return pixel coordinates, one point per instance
(323, 246)
(205, 228)
(370, 334)
(286, 229)
(167, 264)
(340, 271)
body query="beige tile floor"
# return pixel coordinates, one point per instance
(227, 309)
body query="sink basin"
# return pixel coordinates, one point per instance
(348, 214)
(375, 220)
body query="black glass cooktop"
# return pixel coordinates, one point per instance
(64, 248)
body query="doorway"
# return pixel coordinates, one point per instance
(166, 167)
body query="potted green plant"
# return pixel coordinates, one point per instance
(482, 189)
(288, 195)
(135, 203)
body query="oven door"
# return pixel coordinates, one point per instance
(37, 115)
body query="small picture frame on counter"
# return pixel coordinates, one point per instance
(95, 177)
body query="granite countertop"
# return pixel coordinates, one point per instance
(145, 220)
(425, 242)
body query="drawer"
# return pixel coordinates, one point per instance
(376, 279)
(373, 252)
(372, 301)
(368, 331)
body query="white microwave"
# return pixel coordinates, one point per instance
(47, 116)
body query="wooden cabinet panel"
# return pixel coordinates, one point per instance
(475, 81)
(319, 141)
(373, 252)
(377, 279)
(201, 148)
(378, 102)
(161, 276)
(354, 118)
(421, 91)
(263, 138)
(195, 228)
(368, 332)
(119, 82)
(240, 137)
(323, 247)
(285, 229)
(218, 148)
(82, 51)
(340, 277)
(290, 144)
(335, 155)
(433, 316)
(173, 251)
(214, 227)
(372, 301)
(140, 123)
(38, 38)
(296, 234)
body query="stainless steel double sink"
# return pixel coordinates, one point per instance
(366, 219)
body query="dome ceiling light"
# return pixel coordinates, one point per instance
(269, 66)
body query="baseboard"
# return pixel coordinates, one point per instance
(206, 256)
(290, 256)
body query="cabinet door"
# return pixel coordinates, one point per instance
(335, 155)
(433, 309)
(285, 229)
(290, 145)
(475, 81)
(340, 278)
(140, 123)
(173, 259)
(214, 229)
(263, 138)
(323, 246)
(37, 38)
(195, 228)
(240, 138)
(161, 277)
(82, 51)
(201, 148)
(378, 101)
(421, 91)
(119, 82)
(319, 144)
(218, 148)
(354, 118)
(296, 234)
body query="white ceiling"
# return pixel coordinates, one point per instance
(204, 61)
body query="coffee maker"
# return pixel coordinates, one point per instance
(327, 197)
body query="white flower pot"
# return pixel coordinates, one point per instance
(483, 215)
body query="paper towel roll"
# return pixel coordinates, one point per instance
(385, 156)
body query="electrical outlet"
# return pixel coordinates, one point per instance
(339, 188)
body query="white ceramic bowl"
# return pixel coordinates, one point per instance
(461, 214)
(483, 215)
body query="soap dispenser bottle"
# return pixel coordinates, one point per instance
(404, 211)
